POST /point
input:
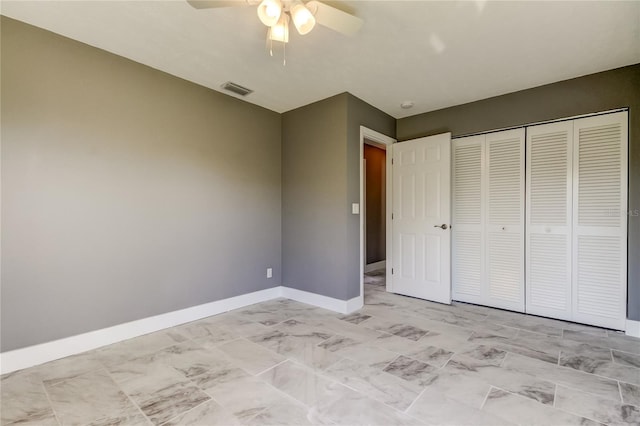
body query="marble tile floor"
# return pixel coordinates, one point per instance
(397, 361)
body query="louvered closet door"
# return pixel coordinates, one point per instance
(504, 229)
(468, 219)
(548, 248)
(600, 220)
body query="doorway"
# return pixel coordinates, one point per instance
(374, 214)
(375, 202)
(374, 207)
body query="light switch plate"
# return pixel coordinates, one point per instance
(269, 272)
(355, 208)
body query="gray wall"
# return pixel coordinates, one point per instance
(314, 175)
(592, 93)
(321, 178)
(126, 192)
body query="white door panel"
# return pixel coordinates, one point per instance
(600, 220)
(421, 203)
(468, 255)
(548, 246)
(576, 220)
(488, 219)
(504, 164)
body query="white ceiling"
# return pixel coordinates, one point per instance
(437, 54)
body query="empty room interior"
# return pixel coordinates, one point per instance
(293, 212)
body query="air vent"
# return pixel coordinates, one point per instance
(236, 88)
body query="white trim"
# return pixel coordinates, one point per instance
(354, 304)
(369, 267)
(44, 352)
(632, 328)
(383, 142)
(336, 305)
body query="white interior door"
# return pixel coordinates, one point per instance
(422, 217)
(549, 194)
(600, 220)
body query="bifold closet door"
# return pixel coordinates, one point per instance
(504, 224)
(468, 254)
(600, 220)
(488, 219)
(549, 213)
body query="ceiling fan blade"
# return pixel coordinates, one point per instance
(335, 19)
(210, 4)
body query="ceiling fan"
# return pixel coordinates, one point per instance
(276, 15)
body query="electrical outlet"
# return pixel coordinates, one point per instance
(269, 272)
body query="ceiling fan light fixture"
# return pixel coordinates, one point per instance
(269, 12)
(303, 19)
(280, 31)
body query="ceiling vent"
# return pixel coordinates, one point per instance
(236, 88)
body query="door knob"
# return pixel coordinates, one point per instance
(443, 226)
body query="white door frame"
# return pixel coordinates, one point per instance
(383, 142)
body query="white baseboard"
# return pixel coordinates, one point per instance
(375, 266)
(45, 352)
(336, 305)
(633, 328)
(354, 304)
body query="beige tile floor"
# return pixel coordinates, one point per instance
(399, 360)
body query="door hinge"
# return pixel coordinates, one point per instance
(392, 161)
(391, 216)
(391, 271)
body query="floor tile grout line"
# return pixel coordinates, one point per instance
(392, 361)
(146, 354)
(582, 390)
(620, 392)
(580, 416)
(286, 395)
(335, 380)
(53, 411)
(503, 359)
(570, 369)
(272, 367)
(128, 396)
(340, 383)
(554, 403)
(593, 374)
(340, 358)
(572, 386)
(189, 410)
(626, 352)
(406, 411)
(234, 414)
(484, 400)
